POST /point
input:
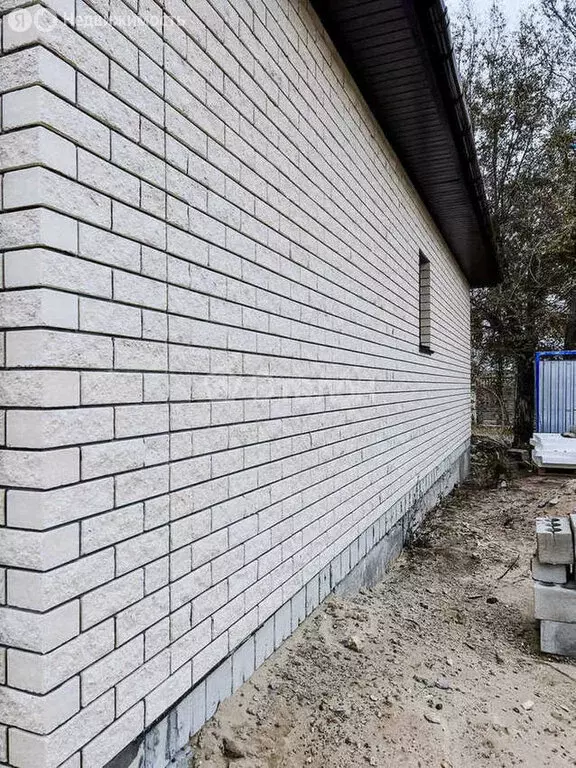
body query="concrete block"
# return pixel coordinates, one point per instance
(218, 686)
(298, 604)
(573, 527)
(198, 704)
(282, 624)
(243, 662)
(558, 637)
(179, 726)
(555, 541)
(324, 578)
(264, 641)
(131, 756)
(156, 745)
(312, 594)
(553, 602)
(551, 574)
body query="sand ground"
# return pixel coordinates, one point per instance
(438, 665)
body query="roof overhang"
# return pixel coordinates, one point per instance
(400, 55)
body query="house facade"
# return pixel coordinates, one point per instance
(235, 325)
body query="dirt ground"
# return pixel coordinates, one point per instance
(438, 665)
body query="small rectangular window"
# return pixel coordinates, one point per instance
(424, 307)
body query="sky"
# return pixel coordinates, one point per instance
(511, 8)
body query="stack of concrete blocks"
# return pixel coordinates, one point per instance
(554, 584)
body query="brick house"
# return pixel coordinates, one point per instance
(238, 239)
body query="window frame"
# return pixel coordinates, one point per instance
(424, 305)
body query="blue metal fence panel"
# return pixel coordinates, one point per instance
(555, 391)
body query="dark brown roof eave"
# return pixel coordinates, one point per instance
(445, 138)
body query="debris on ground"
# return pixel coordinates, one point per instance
(449, 674)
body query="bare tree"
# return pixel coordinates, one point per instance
(523, 117)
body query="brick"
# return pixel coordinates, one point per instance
(107, 178)
(108, 248)
(109, 317)
(142, 355)
(43, 267)
(107, 672)
(555, 542)
(50, 31)
(188, 587)
(38, 632)
(37, 146)
(106, 387)
(34, 105)
(111, 741)
(42, 673)
(108, 39)
(47, 429)
(40, 186)
(38, 307)
(147, 419)
(156, 638)
(141, 484)
(111, 528)
(34, 469)
(37, 66)
(138, 161)
(156, 575)
(57, 349)
(137, 618)
(142, 291)
(40, 714)
(136, 94)
(142, 681)
(142, 549)
(111, 598)
(553, 602)
(29, 750)
(137, 225)
(552, 574)
(209, 657)
(41, 591)
(39, 389)
(38, 551)
(36, 227)
(41, 510)
(154, 325)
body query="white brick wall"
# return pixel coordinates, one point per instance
(212, 381)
